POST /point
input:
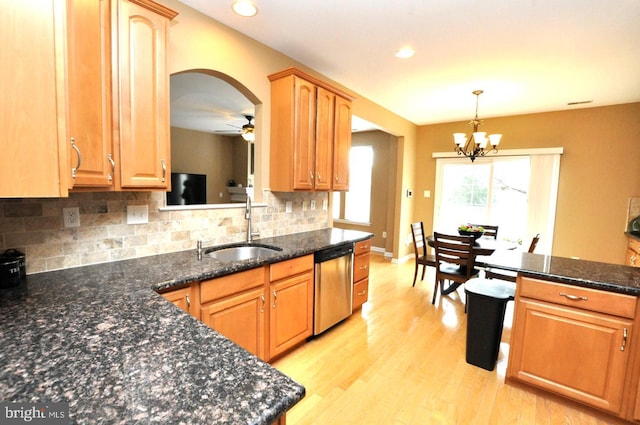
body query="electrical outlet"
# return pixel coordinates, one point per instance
(384, 234)
(325, 205)
(137, 214)
(313, 204)
(288, 207)
(304, 205)
(71, 217)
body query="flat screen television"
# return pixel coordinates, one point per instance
(187, 189)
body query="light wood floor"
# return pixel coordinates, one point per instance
(401, 360)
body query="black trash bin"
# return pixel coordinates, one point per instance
(486, 303)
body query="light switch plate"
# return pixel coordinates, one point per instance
(288, 207)
(137, 214)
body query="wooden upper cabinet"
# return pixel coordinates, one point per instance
(303, 150)
(325, 104)
(142, 94)
(92, 160)
(341, 144)
(310, 134)
(34, 161)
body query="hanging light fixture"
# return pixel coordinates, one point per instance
(247, 131)
(475, 145)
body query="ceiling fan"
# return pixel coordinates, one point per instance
(246, 131)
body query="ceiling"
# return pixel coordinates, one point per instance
(527, 55)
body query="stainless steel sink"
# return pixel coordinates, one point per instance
(241, 252)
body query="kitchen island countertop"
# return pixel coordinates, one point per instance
(100, 338)
(590, 274)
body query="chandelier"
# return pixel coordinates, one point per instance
(475, 145)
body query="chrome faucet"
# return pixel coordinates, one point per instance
(247, 216)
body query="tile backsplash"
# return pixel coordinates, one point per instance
(35, 226)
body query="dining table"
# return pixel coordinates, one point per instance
(483, 247)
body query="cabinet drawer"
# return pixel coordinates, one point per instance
(574, 296)
(360, 293)
(634, 245)
(360, 267)
(292, 267)
(221, 287)
(362, 247)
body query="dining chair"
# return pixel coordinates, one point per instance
(506, 274)
(489, 230)
(420, 250)
(455, 262)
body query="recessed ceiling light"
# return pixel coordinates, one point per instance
(405, 52)
(244, 8)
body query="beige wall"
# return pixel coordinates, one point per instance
(221, 158)
(198, 42)
(599, 171)
(383, 182)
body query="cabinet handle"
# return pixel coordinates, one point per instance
(188, 298)
(633, 260)
(275, 298)
(362, 293)
(263, 302)
(79, 163)
(311, 175)
(365, 267)
(337, 180)
(164, 170)
(319, 178)
(624, 339)
(574, 297)
(113, 166)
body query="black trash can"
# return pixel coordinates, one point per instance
(486, 303)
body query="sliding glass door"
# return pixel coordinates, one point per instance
(516, 193)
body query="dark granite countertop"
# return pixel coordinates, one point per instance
(590, 274)
(100, 338)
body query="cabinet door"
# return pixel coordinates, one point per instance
(183, 298)
(143, 97)
(291, 317)
(34, 161)
(240, 318)
(89, 92)
(341, 144)
(325, 105)
(574, 353)
(304, 134)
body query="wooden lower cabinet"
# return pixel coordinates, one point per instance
(185, 298)
(572, 341)
(234, 305)
(240, 318)
(291, 304)
(361, 259)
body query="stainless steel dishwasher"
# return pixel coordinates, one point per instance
(333, 286)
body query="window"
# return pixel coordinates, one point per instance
(355, 205)
(517, 193)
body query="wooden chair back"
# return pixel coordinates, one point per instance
(534, 243)
(489, 230)
(419, 241)
(454, 257)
